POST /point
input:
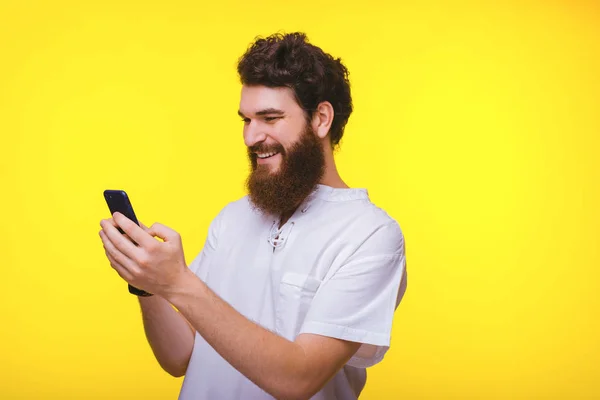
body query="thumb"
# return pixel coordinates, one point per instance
(162, 231)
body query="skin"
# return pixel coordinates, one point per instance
(285, 128)
(271, 128)
(285, 369)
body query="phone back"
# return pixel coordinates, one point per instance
(118, 201)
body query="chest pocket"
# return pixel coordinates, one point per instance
(296, 292)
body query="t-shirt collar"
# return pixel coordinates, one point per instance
(339, 194)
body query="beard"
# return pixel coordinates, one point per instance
(301, 168)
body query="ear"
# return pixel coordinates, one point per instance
(322, 119)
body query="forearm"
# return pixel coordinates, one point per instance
(168, 333)
(272, 362)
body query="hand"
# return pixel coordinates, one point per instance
(154, 266)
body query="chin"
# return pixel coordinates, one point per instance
(272, 168)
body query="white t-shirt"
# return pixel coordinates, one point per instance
(335, 268)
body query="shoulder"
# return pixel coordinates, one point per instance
(377, 232)
(386, 234)
(237, 211)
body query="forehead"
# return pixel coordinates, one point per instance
(256, 98)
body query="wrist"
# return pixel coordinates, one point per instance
(185, 286)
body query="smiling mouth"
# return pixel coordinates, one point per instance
(264, 156)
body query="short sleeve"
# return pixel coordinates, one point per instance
(357, 301)
(201, 263)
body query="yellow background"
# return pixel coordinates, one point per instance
(476, 126)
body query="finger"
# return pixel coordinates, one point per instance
(119, 258)
(135, 232)
(122, 271)
(163, 232)
(119, 240)
(113, 223)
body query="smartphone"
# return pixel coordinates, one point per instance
(118, 201)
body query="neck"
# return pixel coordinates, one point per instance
(331, 177)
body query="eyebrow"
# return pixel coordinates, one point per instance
(266, 111)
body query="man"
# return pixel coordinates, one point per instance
(293, 294)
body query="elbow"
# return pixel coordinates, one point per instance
(175, 370)
(301, 383)
(298, 390)
(175, 364)
(177, 373)
(296, 394)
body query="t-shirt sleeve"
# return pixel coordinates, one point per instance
(357, 301)
(201, 263)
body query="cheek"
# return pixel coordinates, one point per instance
(278, 143)
(288, 132)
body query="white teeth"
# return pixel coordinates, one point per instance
(265, 155)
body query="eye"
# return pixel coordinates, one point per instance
(246, 120)
(271, 119)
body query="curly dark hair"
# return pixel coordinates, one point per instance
(314, 76)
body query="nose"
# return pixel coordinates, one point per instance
(253, 134)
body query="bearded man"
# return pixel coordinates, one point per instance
(294, 292)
